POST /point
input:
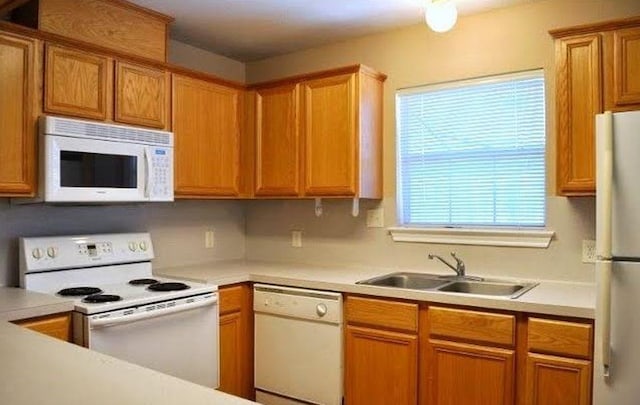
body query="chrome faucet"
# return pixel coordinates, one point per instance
(458, 268)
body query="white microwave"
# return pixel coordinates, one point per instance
(89, 162)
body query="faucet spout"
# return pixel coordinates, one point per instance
(459, 268)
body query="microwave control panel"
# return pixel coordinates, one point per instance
(161, 172)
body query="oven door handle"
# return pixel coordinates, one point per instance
(106, 322)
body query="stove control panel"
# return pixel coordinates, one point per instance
(60, 252)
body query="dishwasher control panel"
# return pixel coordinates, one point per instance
(300, 303)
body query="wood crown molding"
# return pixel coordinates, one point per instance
(359, 68)
(591, 28)
(140, 9)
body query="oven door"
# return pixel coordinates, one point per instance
(179, 340)
(89, 170)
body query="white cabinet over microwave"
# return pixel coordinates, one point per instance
(84, 161)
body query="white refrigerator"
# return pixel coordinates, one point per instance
(616, 373)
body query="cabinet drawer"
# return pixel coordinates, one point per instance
(473, 326)
(384, 313)
(560, 337)
(57, 326)
(232, 299)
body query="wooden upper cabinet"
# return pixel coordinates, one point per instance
(18, 123)
(626, 67)
(317, 135)
(141, 95)
(206, 126)
(330, 136)
(78, 83)
(597, 70)
(115, 24)
(277, 128)
(578, 100)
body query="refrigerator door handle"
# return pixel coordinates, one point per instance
(603, 299)
(604, 185)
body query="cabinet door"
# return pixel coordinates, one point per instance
(141, 95)
(78, 83)
(555, 380)
(381, 367)
(236, 337)
(207, 138)
(626, 65)
(330, 136)
(277, 141)
(468, 374)
(57, 326)
(578, 100)
(18, 124)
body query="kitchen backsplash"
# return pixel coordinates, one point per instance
(177, 229)
(338, 238)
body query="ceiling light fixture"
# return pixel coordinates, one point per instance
(440, 15)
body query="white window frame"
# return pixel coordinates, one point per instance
(481, 236)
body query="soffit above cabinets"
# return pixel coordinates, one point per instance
(254, 29)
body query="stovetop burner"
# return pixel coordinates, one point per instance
(168, 287)
(143, 281)
(79, 291)
(100, 298)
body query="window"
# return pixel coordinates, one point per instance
(472, 153)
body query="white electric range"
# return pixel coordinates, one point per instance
(121, 309)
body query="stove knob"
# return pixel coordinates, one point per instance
(321, 310)
(37, 253)
(133, 246)
(52, 252)
(143, 246)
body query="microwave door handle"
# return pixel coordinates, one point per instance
(147, 173)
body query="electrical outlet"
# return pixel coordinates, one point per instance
(209, 240)
(588, 251)
(375, 218)
(296, 239)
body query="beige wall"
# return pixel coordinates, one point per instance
(499, 41)
(195, 58)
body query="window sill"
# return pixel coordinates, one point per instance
(480, 237)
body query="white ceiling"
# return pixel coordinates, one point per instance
(254, 29)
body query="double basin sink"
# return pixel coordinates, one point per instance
(451, 284)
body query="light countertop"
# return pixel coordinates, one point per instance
(17, 303)
(37, 369)
(549, 297)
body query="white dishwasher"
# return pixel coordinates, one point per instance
(298, 346)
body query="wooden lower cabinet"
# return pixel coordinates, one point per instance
(381, 367)
(236, 340)
(553, 380)
(57, 326)
(461, 373)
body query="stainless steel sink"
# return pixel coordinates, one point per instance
(413, 281)
(451, 284)
(493, 288)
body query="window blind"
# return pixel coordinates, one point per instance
(472, 154)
